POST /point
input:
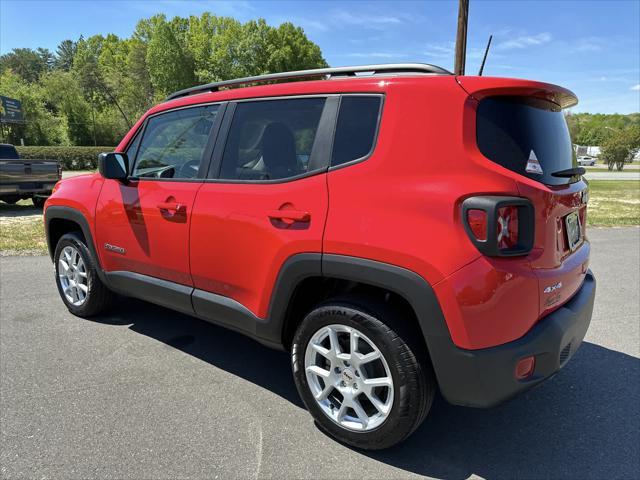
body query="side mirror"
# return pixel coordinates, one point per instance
(113, 165)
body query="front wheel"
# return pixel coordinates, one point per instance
(77, 278)
(361, 381)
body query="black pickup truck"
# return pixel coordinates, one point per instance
(20, 179)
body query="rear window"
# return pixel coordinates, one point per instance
(8, 151)
(526, 135)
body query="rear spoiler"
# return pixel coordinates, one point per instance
(481, 87)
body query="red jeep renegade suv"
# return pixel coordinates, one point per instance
(398, 229)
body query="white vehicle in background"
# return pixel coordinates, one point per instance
(586, 161)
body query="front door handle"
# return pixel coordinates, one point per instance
(289, 216)
(172, 207)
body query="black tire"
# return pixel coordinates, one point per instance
(98, 298)
(413, 378)
(38, 202)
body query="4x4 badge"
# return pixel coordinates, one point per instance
(553, 288)
(533, 165)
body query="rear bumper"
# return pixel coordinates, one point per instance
(27, 188)
(485, 377)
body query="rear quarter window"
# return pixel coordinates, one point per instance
(356, 128)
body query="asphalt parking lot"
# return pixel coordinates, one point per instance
(149, 393)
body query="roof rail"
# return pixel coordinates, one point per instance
(318, 72)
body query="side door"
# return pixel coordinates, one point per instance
(142, 225)
(265, 197)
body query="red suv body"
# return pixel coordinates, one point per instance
(455, 200)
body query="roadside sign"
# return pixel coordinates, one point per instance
(10, 110)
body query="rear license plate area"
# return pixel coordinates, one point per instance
(573, 228)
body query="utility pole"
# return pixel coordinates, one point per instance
(461, 37)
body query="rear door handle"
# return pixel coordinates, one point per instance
(290, 215)
(172, 207)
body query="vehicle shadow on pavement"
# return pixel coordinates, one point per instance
(218, 346)
(583, 423)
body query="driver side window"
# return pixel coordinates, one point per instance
(174, 142)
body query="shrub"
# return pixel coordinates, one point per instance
(71, 158)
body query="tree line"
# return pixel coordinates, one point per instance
(90, 91)
(617, 135)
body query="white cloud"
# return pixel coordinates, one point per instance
(524, 41)
(447, 50)
(636, 87)
(442, 50)
(347, 18)
(344, 18)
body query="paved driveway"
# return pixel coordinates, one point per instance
(148, 393)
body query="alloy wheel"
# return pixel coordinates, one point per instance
(349, 378)
(72, 275)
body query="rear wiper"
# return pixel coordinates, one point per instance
(570, 172)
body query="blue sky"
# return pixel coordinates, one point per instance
(591, 47)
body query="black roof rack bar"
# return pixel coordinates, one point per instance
(318, 72)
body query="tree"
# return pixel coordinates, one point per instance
(43, 126)
(27, 63)
(170, 65)
(621, 147)
(64, 55)
(92, 88)
(91, 75)
(594, 129)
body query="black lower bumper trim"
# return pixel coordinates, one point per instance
(485, 378)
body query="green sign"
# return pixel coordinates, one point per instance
(10, 110)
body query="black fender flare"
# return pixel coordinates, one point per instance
(73, 215)
(406, 283)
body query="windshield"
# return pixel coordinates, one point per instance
(526, 135)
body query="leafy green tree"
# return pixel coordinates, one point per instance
(621, 147)
(595, 129)
(27, 63)
(170, 65)
(43, 126)
(93, 77)
(64, 93)
(91, 89)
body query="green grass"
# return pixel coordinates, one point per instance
(612, 203)
(22, 236)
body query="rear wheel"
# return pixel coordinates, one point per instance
(77, 279)
(362, 382)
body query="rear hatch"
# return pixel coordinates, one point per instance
(523, 129)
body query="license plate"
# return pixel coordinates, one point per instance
(574, 230)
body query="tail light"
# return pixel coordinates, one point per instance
(499, 226)
(477, 220)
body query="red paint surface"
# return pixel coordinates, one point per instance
(400, 206)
